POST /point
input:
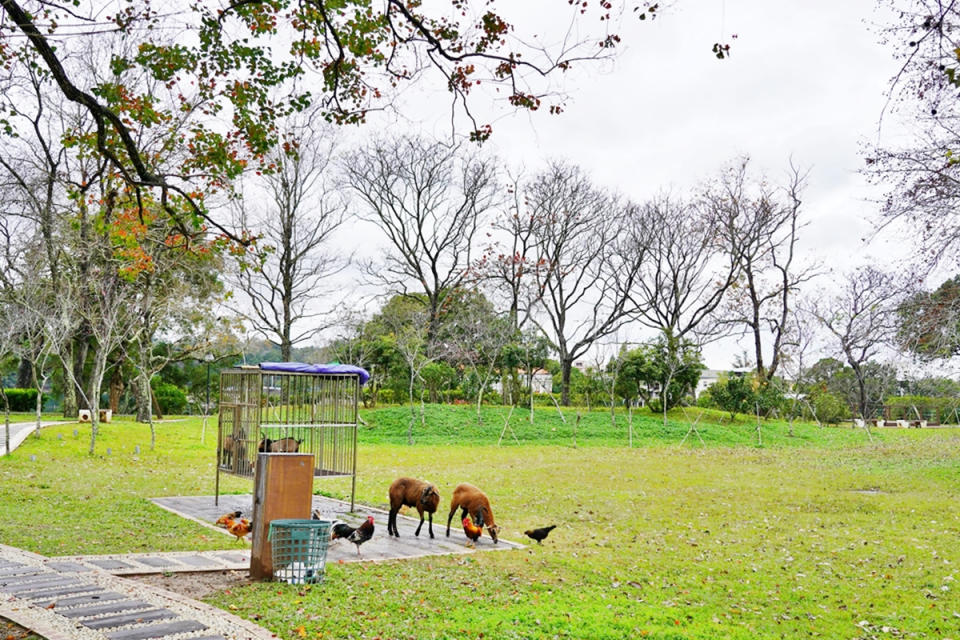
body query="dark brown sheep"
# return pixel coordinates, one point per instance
(474, 502)
(283, 445)
(412, 493)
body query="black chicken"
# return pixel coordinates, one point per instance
(356, 535)
(539, 534)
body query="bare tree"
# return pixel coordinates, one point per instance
(861, 319)
(760, 224)
(284, 287)
(922, 176)
(429, 199)
(477, 336)
(173, 299)
(589, 266)
(797, 344)
(100, 301)
(683, 280)
(508, 265)
(410, 340)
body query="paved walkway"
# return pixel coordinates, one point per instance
(19, 431)
(66, 601)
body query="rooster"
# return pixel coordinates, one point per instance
(356, 535)
(240, 528)
(539, 534)
(227, 519)
(472, 531)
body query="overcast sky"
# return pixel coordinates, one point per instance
(805, 80)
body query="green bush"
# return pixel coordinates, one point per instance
(829, 407)
(705, 400)
(21, 399)
(171, 398)
(745, 394)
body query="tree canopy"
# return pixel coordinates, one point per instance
(183, 99)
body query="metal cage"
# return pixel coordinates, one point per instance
(284, 412)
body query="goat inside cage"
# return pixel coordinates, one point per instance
(289, 408)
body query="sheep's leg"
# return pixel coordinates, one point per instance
(430, 514)
(453, 510)
(420, 526)
(392, 523)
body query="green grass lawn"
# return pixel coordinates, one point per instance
(824, 534)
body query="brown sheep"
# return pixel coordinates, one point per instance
(410, 492)
(472, 501)
(232, 448)
(283, 445)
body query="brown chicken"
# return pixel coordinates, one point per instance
(227, 519)
(240, 528)
(472, 531)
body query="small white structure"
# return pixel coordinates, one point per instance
(105, 415)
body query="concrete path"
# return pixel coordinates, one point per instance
(382, 547)
(66, 601)
(19, 431)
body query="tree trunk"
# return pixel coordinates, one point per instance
(156, 405)
(38, 384)
(116, 390)
(413, 410)
(93, 396)
(24, 373)
(71, 404)
(566, 364)
(142, 391)
(6, 419)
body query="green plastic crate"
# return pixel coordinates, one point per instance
(299, 549)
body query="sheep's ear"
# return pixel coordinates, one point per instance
(425, 493)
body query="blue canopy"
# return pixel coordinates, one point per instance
(300, 367)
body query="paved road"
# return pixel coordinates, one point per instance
(19, 431)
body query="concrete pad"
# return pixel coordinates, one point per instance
(381, 547)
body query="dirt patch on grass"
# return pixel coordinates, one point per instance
(196, 585)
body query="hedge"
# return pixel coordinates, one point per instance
(21, 399)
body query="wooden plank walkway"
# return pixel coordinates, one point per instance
(69, 601)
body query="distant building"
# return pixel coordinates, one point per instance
(710, 376)
(542, 381)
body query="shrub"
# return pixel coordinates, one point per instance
(171, 398)
(829, 407)
(21, 399)
(745, 394)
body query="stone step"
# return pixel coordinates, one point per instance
(157, 630)
(124, 619)
(116, 606)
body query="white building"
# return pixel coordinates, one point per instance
(542, 381)
(710, 376)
